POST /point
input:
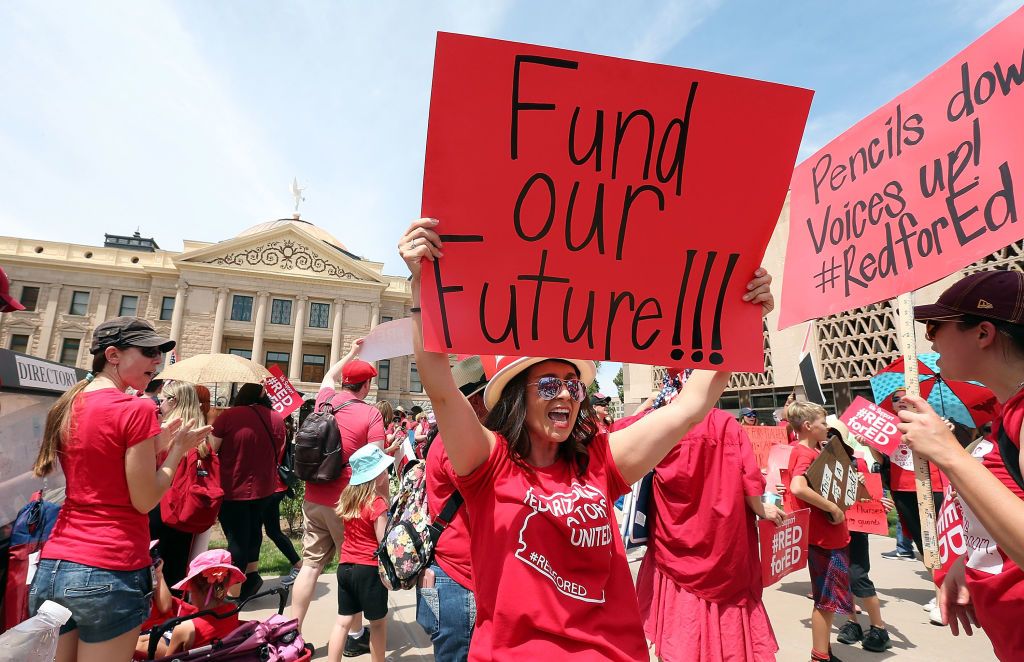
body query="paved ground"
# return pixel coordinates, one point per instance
(902, 589)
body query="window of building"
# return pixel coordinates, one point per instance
(79, 303)
(166, 308)
(19, 343)
(280, 311)
(313, 367)
(318, 315)
(729, 402)
(69, 351)
(385, 318)
(414, 379)
(129, 306)
(244, 353)
(241, 308)
(29, 297)
(280, 359)
(383, 375)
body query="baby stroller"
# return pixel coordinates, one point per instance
(276, 639)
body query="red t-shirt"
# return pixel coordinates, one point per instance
(902, 480)
(996, 583)
(248, 456)
(823, 532)
(452, 551)
(360, 536)
(98, 525)
(178, 608)
(705, 536)
(549, 568)
(359, 424)
(209, 628)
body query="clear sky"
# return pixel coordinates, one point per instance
(188, 120)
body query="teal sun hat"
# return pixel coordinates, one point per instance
(367, 463)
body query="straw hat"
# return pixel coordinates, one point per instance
(510, 366)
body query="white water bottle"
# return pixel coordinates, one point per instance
(35, 640)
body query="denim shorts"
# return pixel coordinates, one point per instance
(447, 613)
(104, 604)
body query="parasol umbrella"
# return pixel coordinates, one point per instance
(968, 403)
(213, 368)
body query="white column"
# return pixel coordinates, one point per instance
(336, 338)
(179, 311)
(100, 315)
(374, 314)
(261, 321)
(217, 344)
(295, 363)
(49, 321)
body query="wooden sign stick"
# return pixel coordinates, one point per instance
(922, 473)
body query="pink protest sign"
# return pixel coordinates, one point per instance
(783, 547)
(874, 425)
(922, 187)
(762, 439)
(949, 525)
(283, 396)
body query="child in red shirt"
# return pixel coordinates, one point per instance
(209, 577)
(828, 558)
(364, 510)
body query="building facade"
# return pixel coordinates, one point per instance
(284, 292)
(848, 348)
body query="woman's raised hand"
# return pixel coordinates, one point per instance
(759, 291)
(420, 241)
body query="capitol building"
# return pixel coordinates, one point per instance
(287, 292)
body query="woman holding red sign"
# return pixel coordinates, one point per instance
(550, 570)
(977, 325)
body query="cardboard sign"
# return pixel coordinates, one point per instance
(784, 547)
(595, 207)
(925, 185)
(868, 516)
(283, 396)
(830, 476)
(762, 438)
(876, 426)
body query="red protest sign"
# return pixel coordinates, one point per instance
(784, 547)
(876, 426)
(283, 396)
(592, 207)
(762, 438)
(949, 527)
(868, 516)
(925, 185)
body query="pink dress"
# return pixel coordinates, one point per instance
(699, 586)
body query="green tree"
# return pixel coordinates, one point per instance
(618, 384)
(593, 388)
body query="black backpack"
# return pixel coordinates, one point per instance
(318, 450)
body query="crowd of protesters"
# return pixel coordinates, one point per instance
(530, 566)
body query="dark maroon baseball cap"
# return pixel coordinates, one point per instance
(995, 295)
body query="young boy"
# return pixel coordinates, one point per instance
(828, 558)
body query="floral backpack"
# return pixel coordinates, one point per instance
(407, 548)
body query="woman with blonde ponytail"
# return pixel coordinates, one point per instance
(177, 401)
(96, 561)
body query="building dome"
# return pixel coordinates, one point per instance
(317, 232)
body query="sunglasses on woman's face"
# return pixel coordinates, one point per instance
(150, 352)
(548, 388)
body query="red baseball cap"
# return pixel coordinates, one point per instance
(995, 295)
(8, 304)
(357, 372)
